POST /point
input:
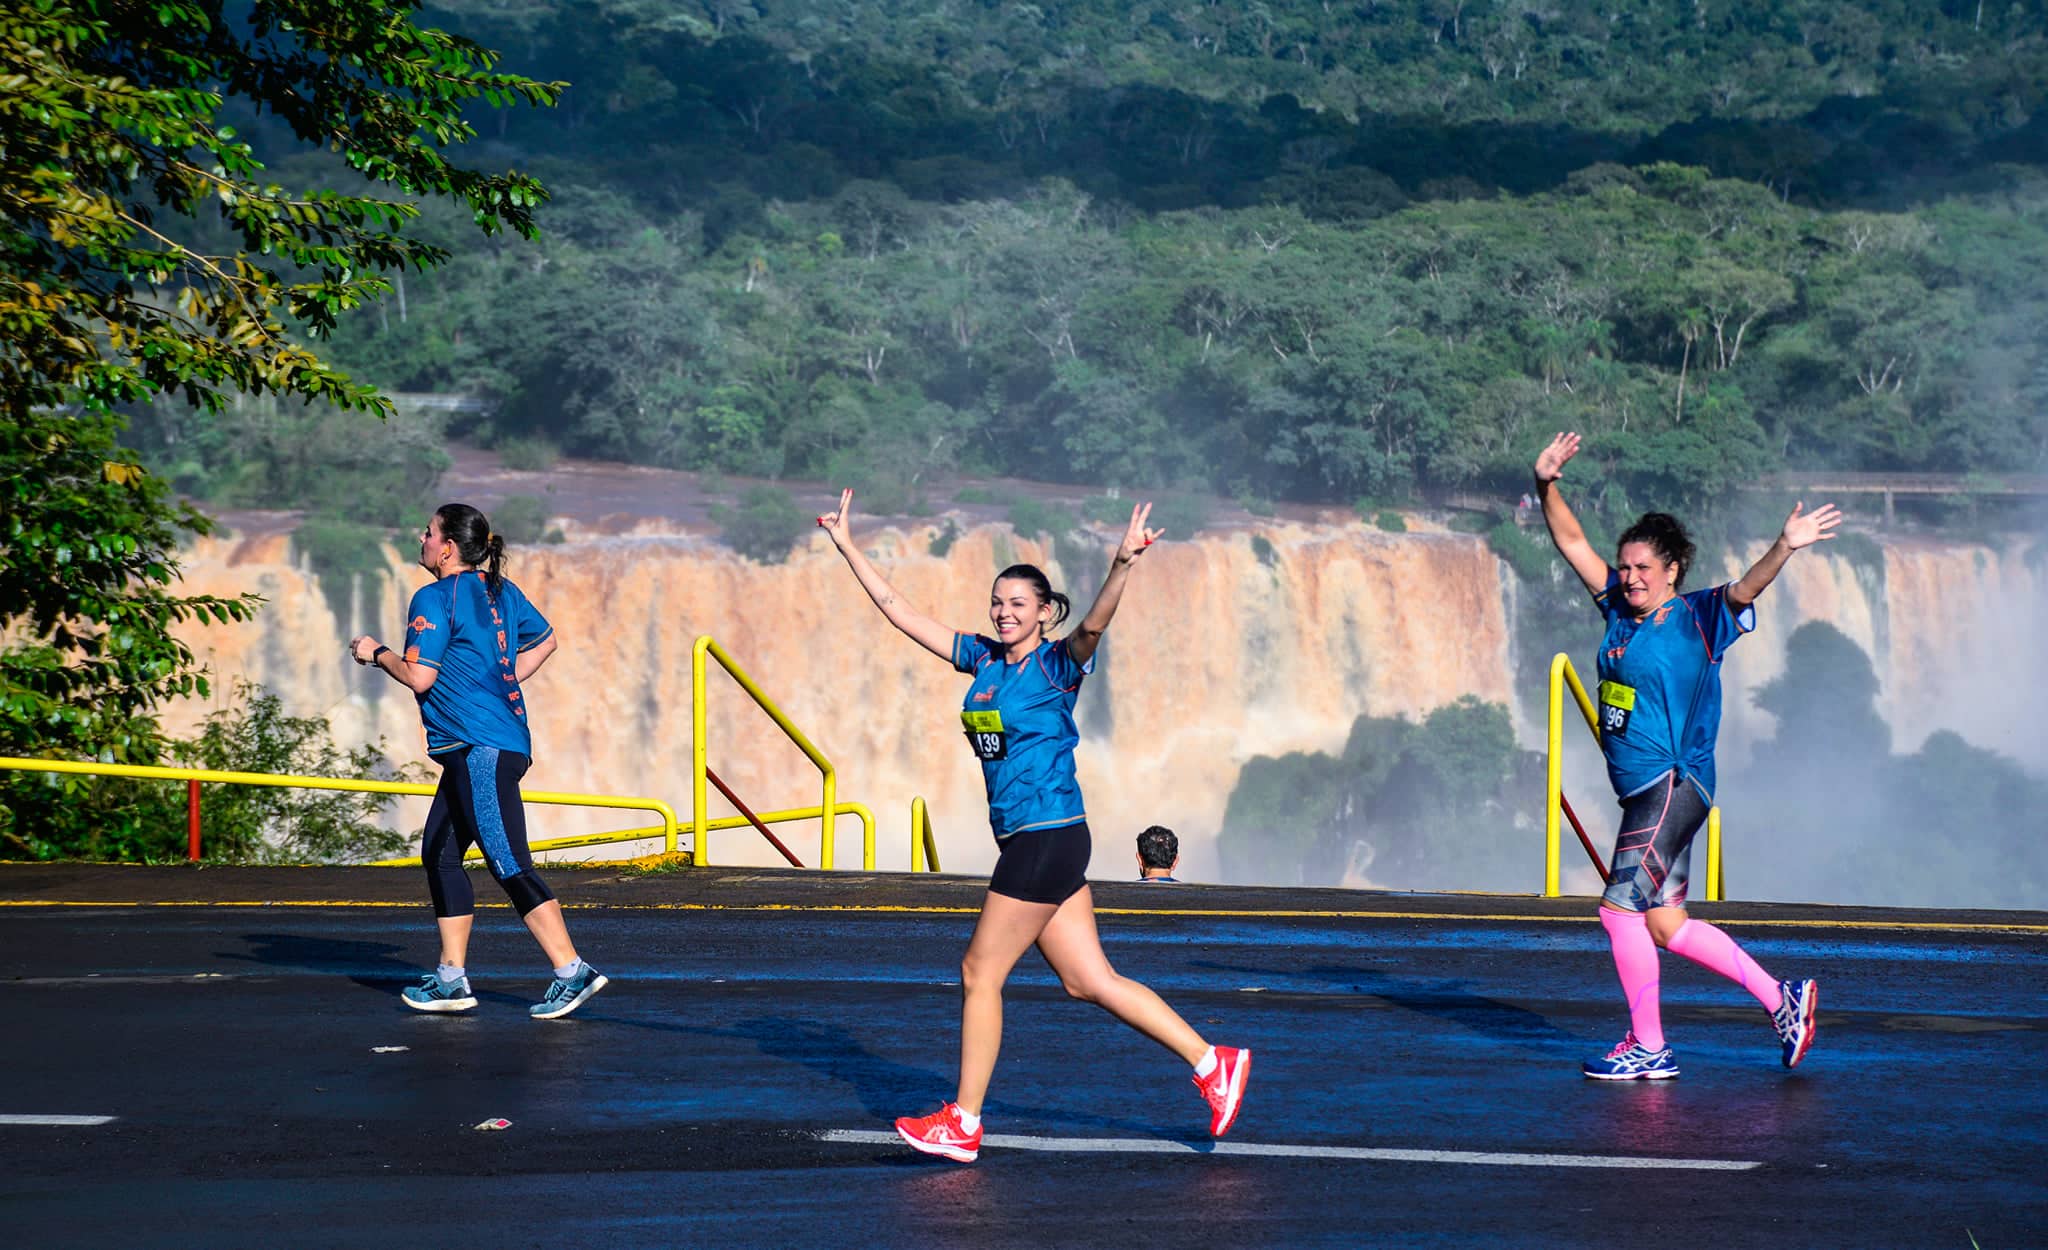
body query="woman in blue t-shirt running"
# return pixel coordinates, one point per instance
(1019, 719)
(1660, 711)
(471, 638)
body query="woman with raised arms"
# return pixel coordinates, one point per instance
(1660, 712)
(1018, 714)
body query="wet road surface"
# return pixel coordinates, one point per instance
(1415, 1082)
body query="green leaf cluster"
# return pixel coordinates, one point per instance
(148, 254)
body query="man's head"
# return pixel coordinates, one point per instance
(1158, 852)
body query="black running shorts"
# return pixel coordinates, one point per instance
(1043, 865)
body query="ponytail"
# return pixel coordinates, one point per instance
(475, 541)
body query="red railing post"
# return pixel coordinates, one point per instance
(192, 819)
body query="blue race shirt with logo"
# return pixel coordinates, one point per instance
(456, 628)
(1019, 719)
(1660, 685)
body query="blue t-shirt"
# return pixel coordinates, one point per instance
(1660, 685)
(455, 627)
(1019, 719)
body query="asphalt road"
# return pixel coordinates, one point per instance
(1415, 1082)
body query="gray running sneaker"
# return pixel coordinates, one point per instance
(434, 994)
(1794, 1018)
(564, 997)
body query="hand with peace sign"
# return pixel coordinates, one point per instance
(839, 524)
(1136, 537)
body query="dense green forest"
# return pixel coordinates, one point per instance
(1279, 251)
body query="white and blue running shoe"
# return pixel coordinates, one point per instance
(564, 997)
(434, 994)
(1794, 1018)
(1630, 1060)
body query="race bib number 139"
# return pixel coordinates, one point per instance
(985, 734)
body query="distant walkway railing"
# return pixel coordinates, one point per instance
(1825, 483)
(1563, 677)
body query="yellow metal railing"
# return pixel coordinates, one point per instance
(827, 811)
(1563, 677)
(924, 845)
(721, 823)
(666, 830)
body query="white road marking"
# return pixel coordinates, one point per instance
(57, 1121)
(1157, 1146)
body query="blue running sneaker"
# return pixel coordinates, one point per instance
(1794, 1018)
(1630, 1060)
(434, 994)
(564, 997)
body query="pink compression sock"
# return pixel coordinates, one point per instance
(1710, 948)
(1635, 958)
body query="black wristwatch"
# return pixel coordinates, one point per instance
(381, 649)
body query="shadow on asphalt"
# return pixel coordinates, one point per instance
(1446, 999)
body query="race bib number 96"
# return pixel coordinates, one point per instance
(985, 734)
(1617, 703)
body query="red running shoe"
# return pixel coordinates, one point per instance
(940, 1134)
(1224, 1087)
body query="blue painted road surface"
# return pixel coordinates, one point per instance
(208, 1070)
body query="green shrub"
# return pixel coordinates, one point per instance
(1182, 516)
(338, 552)
(521, 519)
(942, 542)
(1263, 549)
(1033, 517)
(530, 454)
(978, 495)
(1107, 510)
(1530, 559)
(116, 818)
(1390, 521)
(1862, 552)
(765, 525)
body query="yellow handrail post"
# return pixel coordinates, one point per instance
(924, 847)
(828, 826)
(829, 808)
(1553, 776)
(700, 828)
(1562, 675)
(1713, 854)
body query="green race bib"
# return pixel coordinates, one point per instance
(985, 734)
(1617, 703)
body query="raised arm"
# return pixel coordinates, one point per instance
(1564, 527)
(1802, 529)
(927, 633)
(1087, 636)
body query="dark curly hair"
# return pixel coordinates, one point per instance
(1158, 848)
(1666, 537)
(470, 531)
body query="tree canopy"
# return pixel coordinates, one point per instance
(1288, 251)
(145, 251)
